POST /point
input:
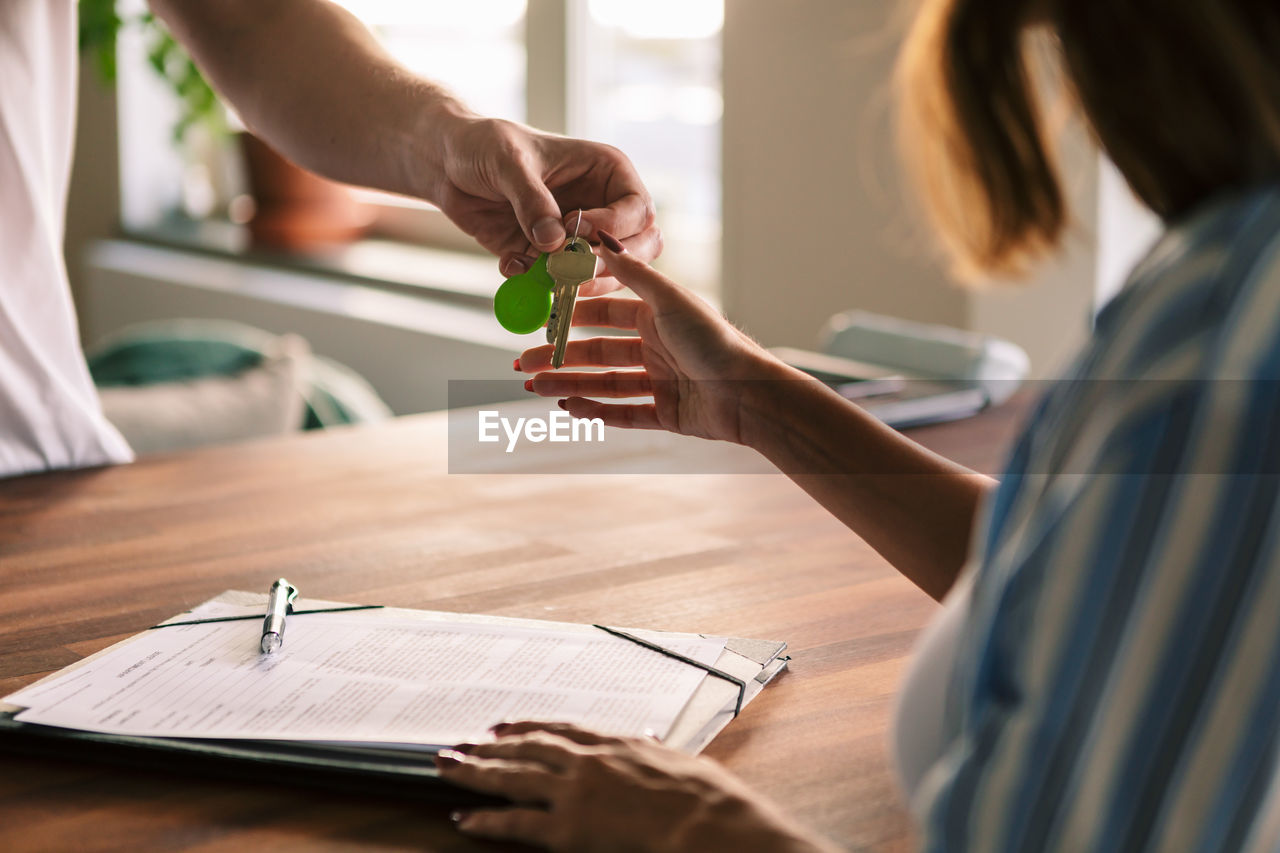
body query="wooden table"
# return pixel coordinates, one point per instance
(369, 514)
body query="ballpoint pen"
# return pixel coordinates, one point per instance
(279, 603)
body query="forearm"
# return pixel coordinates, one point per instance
(311, 80)
(764, 829)
(916, 508)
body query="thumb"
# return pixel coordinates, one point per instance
(535, 208)
(649, 284)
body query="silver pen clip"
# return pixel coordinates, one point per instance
(279, 604)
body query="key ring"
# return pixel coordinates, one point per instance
(573, 244)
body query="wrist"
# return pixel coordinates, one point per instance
(767, 400)
(744, 821)
(440, 123)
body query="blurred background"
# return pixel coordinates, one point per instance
(763, 129)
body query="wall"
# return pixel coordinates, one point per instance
(817, 217)
(1051, 314)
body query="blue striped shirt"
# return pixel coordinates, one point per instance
(1117, 682)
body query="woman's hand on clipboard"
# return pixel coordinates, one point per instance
(576, 790)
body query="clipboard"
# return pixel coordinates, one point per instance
(383, 772)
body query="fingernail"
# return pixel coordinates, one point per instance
(458, 816)
(548, 232)
(516, 265)
(499, 728)
(564, 404)
(516, 365)
(650, 733)
(464, 748)
(611, 243)
(528, 385)
(448, 758)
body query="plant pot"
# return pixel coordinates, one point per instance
(295, 209)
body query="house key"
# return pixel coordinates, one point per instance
(569, 267)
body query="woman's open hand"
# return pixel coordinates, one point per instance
(575, 790)
(693, 362)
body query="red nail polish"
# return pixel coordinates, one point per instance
(564, 404)
(611, 242)
(516, 365)
(528, 385)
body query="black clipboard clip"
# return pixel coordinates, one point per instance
(710, 670)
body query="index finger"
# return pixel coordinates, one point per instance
(646, 246)
(649, 284)
(568, 731)
(535, 749)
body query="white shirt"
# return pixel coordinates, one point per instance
(49, 411)
(920, 731)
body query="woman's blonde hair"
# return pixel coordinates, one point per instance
(1184, 95)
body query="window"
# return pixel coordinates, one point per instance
(475, 47)
(650, 84)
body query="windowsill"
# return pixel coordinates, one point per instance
(439, 274)
(450, 276)
(408, 345)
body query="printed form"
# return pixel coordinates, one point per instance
(370, 678)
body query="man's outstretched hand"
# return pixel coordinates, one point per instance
(518, 192)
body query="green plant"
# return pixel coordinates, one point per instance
(100, 26)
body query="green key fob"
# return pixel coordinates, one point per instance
(523, 302)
